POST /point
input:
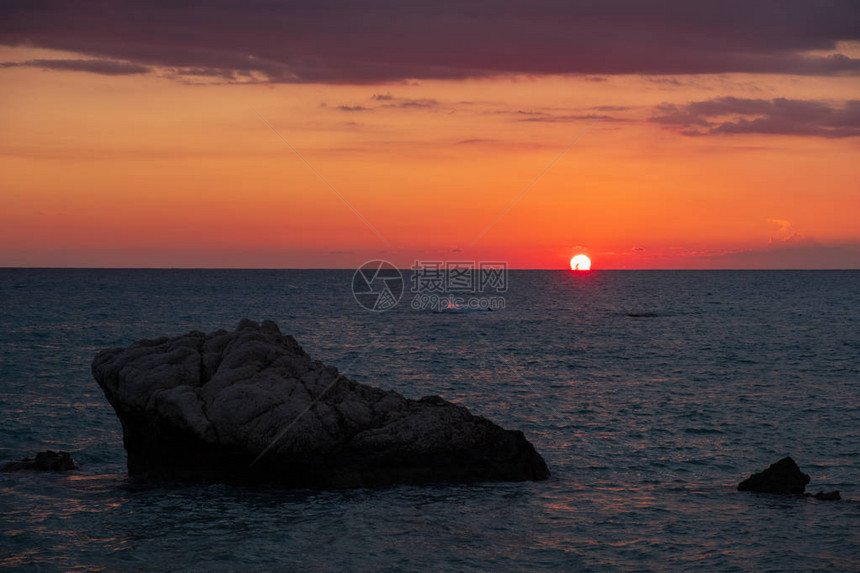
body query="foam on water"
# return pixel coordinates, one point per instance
(650, 394)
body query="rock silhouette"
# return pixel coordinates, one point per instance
(781, 477)
(784, 477)
(827, 496)
(250, 406)
(47, 461)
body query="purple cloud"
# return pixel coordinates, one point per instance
(385, 41)
(780, 116)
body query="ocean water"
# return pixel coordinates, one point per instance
(647, 422)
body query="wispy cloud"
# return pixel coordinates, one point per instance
(786, 235)
(388, 101)
(548, 118)
(561, 115)
(413, 103)
(392, 101)
(610, 108)
(105, 67)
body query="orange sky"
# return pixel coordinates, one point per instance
(147, 170)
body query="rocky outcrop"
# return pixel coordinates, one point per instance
(47, 461)
(781, 477)
(250, 406)
(784, 477)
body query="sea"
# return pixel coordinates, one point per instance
(650, 394)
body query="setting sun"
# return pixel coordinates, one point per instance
(580, 263)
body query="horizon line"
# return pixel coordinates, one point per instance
(118, 268)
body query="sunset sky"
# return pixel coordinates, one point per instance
(644, 134)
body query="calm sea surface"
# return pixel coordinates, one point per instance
(647, 422)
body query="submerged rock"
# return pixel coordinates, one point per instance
(826, 496)
(47, 461)
(250, 406)
(781, 477)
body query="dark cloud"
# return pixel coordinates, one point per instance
(526, 112)
(554, 117)
(407, 103)
(107, 67)
(780, 116)
(547, 118)
(353, 108)
(402, 102)
(384, 40)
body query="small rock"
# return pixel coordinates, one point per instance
(827, 496)
(47, 461)
(782, 477)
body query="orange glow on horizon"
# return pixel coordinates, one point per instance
(142, 170)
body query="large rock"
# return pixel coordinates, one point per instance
(781, 477)
(250, 406)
